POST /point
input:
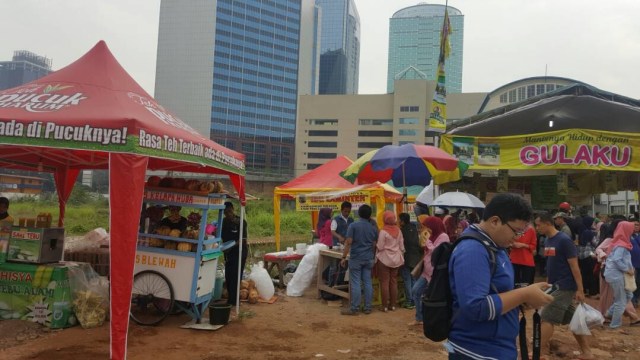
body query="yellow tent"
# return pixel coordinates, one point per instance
(326, 179)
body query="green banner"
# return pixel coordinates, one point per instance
(37, 293)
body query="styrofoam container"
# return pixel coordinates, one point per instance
(301, 248)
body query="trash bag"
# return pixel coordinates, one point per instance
(584, 317)
(307, 269)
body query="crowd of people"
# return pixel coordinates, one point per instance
(577, 256)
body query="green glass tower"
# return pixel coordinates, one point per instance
(414, 45)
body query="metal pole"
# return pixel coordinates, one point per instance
(240, 259)
(626, 202)
(404, 191)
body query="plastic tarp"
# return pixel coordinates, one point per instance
(93, 115)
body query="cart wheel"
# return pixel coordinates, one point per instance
(151, 298)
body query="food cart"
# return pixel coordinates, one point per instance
(182, 272)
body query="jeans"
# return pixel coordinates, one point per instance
(407, 279)
(620, 299)
(418, 289)
(359, 276)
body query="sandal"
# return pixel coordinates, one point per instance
(637, 322)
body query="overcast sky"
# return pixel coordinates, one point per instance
(597, 42)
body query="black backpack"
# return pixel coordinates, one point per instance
(333, 275)
(437, 301)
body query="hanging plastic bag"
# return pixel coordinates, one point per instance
(593, 317)
(584, 317)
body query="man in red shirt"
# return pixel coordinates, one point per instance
(521, 256)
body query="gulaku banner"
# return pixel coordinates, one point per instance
(564, 149)
(308, 202)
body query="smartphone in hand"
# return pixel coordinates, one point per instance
(553, 288)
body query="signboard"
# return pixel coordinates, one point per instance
(562, 182)
(177, 269)
(316, 202)
(178, 197)
(576, 149)
(544, 193)
(36, 293)
(503, 181)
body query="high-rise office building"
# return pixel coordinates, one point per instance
(233, 69)
(24, 67)
(339, 47)
(414, 45)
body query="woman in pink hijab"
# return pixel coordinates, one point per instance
(617, 264)
(323, 230)
(606, 293)
(437, 235)
(390, 257)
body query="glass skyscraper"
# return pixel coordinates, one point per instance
(339, 47)
(414, 41)
(255, 79)
(232, 69)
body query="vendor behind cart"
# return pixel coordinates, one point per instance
(174, 220)
(231, 232)
(4, 210)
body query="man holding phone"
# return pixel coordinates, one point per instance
(564, 274)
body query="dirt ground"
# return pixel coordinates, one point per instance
(291, 328)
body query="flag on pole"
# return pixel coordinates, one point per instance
(438, 109)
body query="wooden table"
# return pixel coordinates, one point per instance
(326, 256)
(279, 259)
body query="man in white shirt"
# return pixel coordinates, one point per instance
(340, 224)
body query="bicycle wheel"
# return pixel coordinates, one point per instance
(151, 298)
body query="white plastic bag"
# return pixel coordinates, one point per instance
(630, 282)
(306, 271)
(584, 317)
(263, 281)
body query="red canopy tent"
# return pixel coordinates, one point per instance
(93, 115)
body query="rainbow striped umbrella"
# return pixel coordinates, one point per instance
(405, 165)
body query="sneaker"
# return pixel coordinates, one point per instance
(367, 311)
(408, 306)
(348, 312)
(393, 308)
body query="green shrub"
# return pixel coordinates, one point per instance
(86, 211)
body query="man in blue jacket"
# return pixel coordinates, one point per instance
(485, 321)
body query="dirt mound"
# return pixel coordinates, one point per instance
(16, 332)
